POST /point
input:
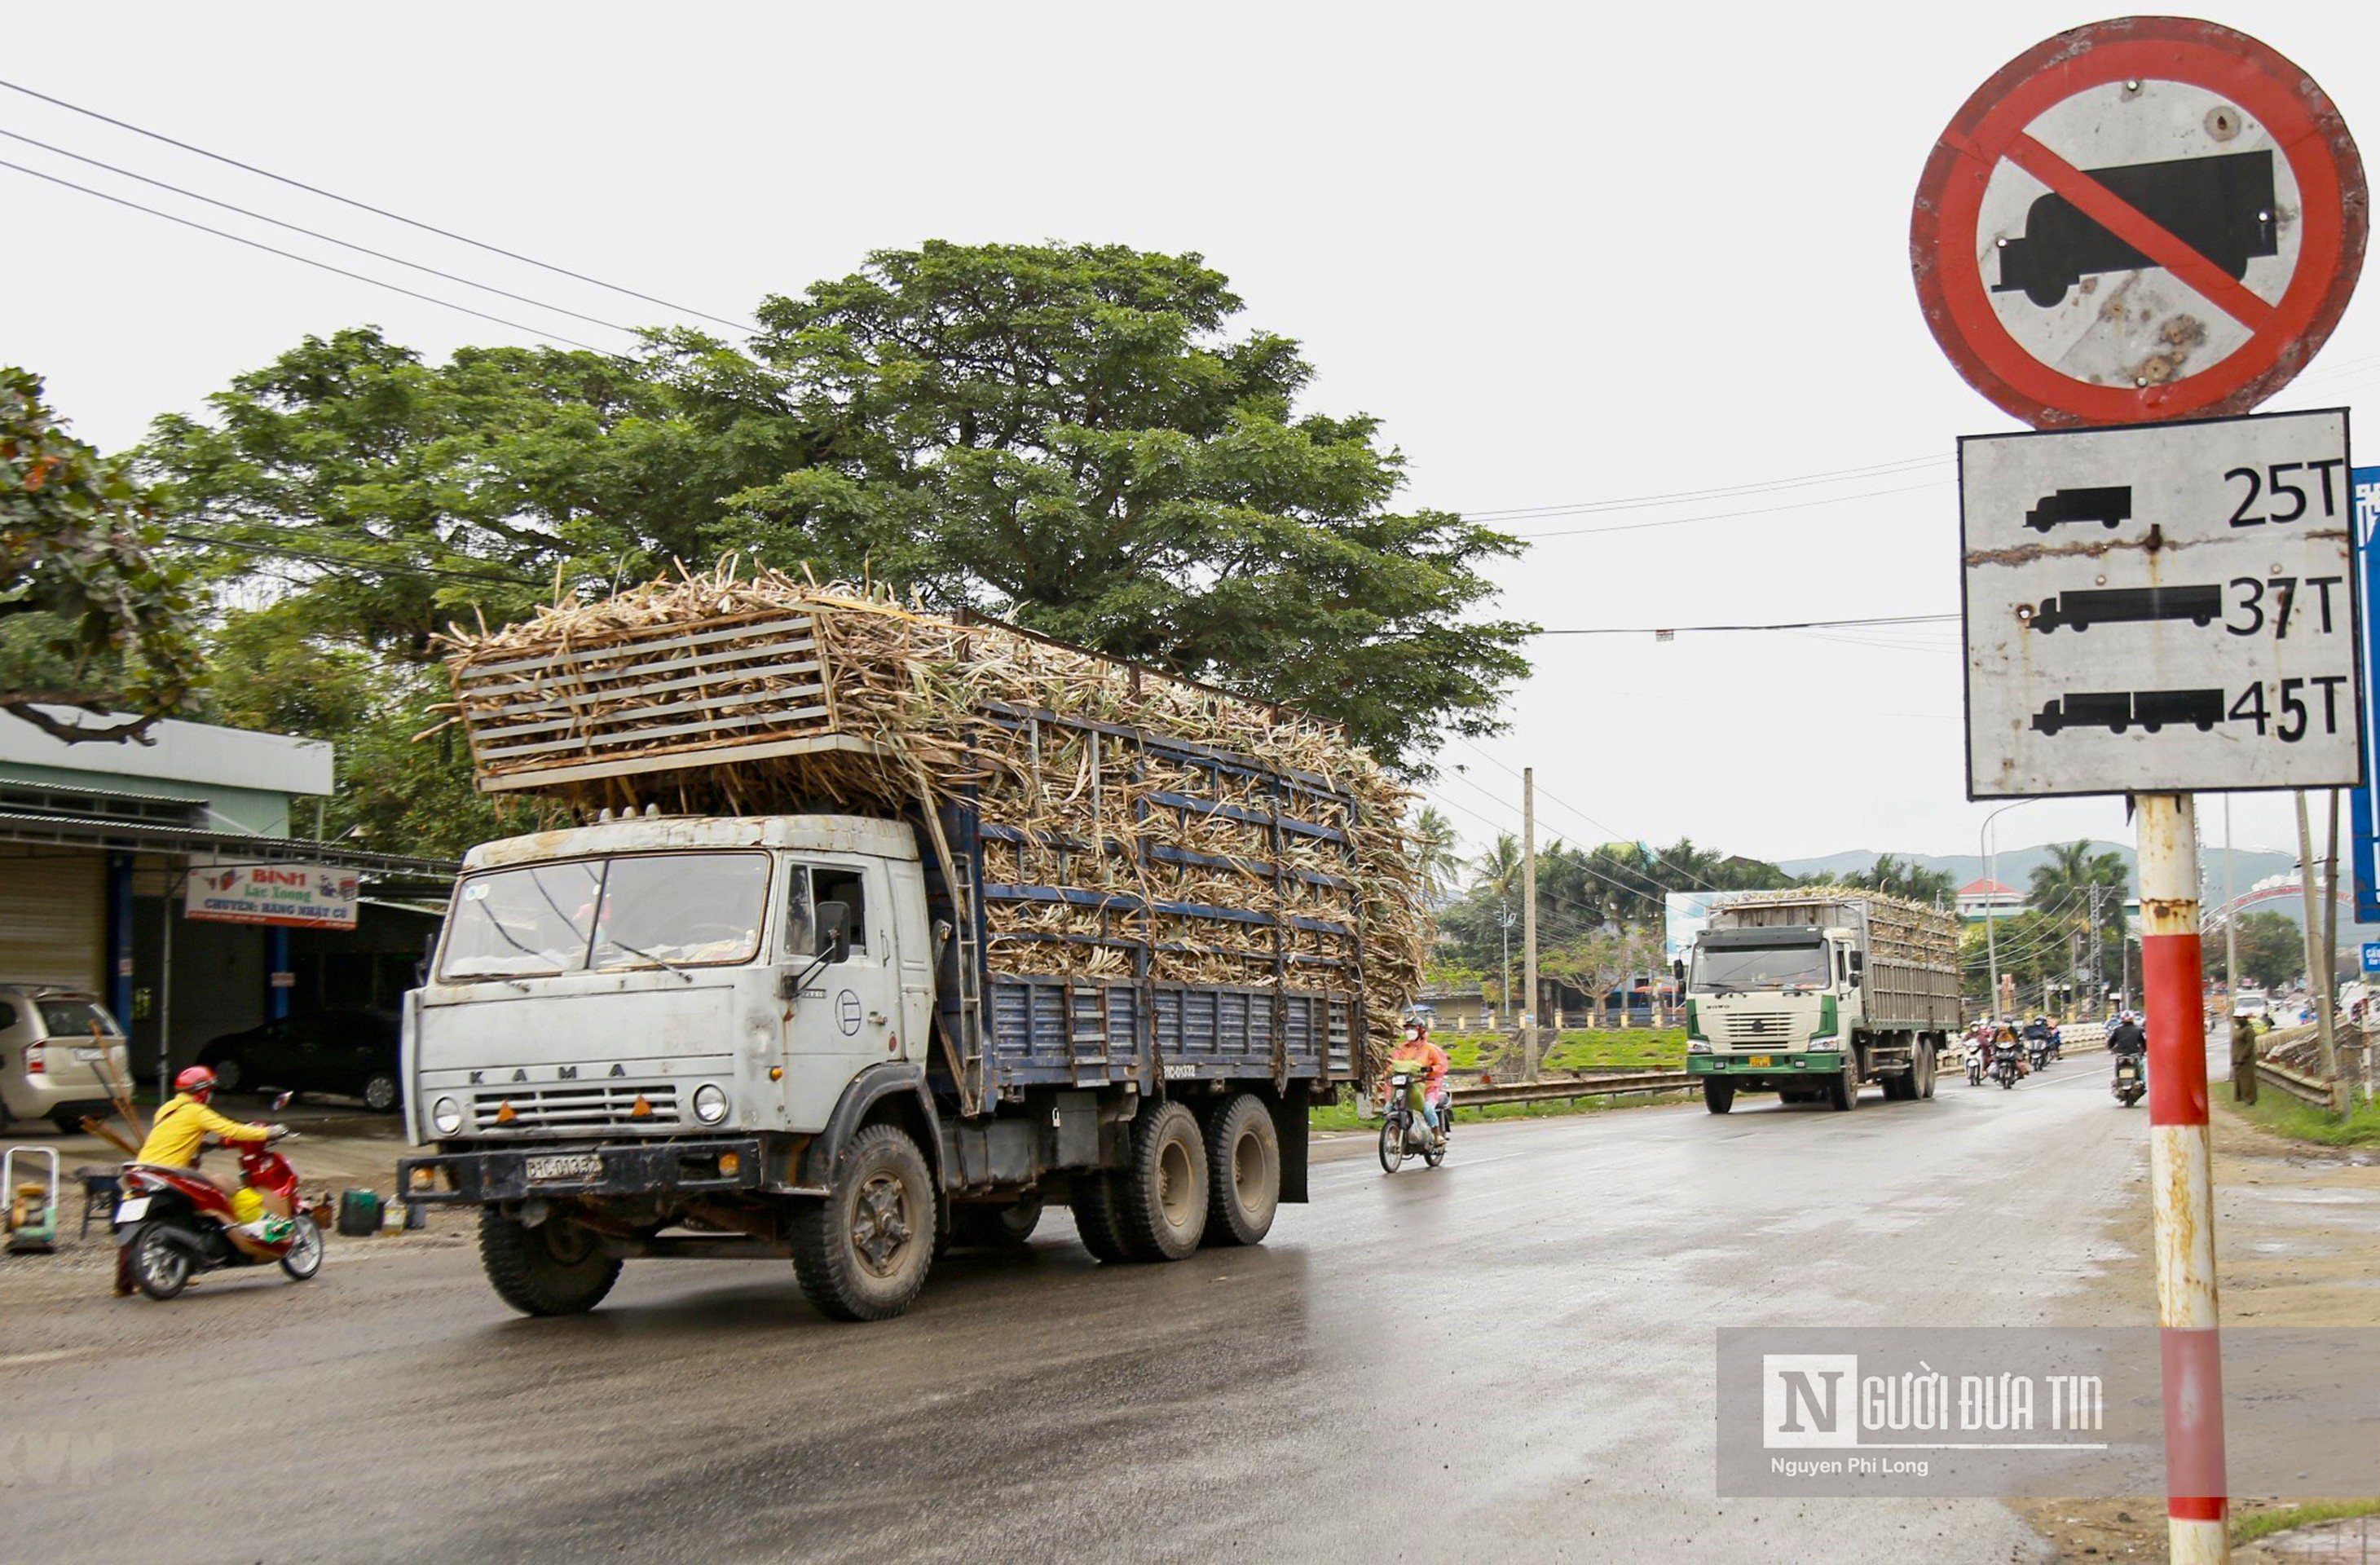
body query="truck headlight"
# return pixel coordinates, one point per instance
(446, 1116)
(709, 1103)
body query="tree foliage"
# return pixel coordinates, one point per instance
(1074, 437)
(2272, 950)
(90, 616)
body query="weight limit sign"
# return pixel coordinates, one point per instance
(2144, 219)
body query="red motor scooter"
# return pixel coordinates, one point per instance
(171, 1224)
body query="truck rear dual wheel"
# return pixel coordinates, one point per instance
(1096, 1220)
(863, 1252)
(1243, 1172)
(996, 1227)
(1161, 1194)
(553, 1269)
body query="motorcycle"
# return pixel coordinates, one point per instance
(1975, 1052)
(1402, 1132)
(2130, 1080)
(172, 1224)
(2004, 1062)
(2037, 1052)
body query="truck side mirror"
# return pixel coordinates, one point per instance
(1677, 970)
(1856, 964)
(833, 931)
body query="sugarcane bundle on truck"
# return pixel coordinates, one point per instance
(846, 930)
(1812, 992)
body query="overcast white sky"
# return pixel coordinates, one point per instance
(1570, 254)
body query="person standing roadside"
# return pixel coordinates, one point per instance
(2243, 1059)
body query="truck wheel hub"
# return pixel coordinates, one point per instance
(880, 1225)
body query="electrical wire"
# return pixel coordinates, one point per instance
(280, 550)
(377, 211)
(1727, 516)
(306, 260)
(327, 238)
(1757, 486)
(1781, 625)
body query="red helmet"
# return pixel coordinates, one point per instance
(197, 1079)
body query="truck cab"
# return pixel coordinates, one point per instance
(1775, 1003)
(659, 977)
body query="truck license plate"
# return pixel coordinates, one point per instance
(567, 1164)
(1757, 1061)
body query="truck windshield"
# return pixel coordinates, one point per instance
(648, 910)
(1732, 969)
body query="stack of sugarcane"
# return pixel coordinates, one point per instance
(706, 664)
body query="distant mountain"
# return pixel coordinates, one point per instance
(2014, 866)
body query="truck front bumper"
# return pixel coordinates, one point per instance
(1774, 1069)
(513, 1173)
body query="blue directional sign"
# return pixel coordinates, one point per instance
(2372, 956)
(2364, 820)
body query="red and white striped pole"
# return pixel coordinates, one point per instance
(2181, 1180)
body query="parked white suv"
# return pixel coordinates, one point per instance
(54, 1045)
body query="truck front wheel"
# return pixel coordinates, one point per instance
(553, 1269)
(1843, 1093)
(1243, 1173)
(863, 1252)
(1719, 1096)
(1161, 1194)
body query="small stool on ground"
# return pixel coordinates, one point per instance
(102, 1188)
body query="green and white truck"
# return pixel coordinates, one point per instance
(1813, 993)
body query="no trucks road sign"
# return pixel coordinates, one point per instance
(2142, 219)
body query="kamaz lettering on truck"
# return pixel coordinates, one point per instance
(930, 935)
(1812, 994)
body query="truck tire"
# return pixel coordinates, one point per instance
(553, 1269)
(1926, 1068)
(1843, 1093)
(1161, 1194)
(863, 1252)
(1718, 1096)
(997, 1227)
(1095, 1223)
(1243, 1172)
(1901, 1086)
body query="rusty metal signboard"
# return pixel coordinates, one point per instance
(2142, 219)
(2161, 608)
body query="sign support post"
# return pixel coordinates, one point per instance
(2181, 1178)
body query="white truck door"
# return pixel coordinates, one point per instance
(863, 992)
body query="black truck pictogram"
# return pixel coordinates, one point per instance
(2110, 505)
(2115, 710)
(2220, 206)
(2128, 605)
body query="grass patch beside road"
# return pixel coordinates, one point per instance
(2277, 1111)
(1577, 1049)
(2261, 1524)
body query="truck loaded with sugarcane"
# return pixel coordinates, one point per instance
(1814, 992)
(845, 929)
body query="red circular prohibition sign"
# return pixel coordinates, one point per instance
(1944, 232)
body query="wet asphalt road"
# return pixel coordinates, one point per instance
(1510, 1357)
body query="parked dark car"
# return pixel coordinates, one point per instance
(350, 1053)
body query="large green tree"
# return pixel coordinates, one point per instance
(91, 616)
(1075, 436)
(2272, 950)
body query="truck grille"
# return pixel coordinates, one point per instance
(574, 1108)
(1758, 1030)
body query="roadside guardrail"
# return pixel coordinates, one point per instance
(1613, 1083)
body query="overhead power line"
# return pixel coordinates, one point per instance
(1755, 486)
(304, 259)
(1725, 515)
(1781, 625)
(377, 211)
(327, 238)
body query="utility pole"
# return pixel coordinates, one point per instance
(2306, 868)
(2230, 925)
(1529, 919)
(2326, 1010)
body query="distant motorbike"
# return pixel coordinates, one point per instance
(2005, 1069)
(2037, 1052)
(1402, 1131)
(172, 1224)
(1975, 1052)
(2130, 1079)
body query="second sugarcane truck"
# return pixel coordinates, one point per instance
(858, 1030)
(1811, 994)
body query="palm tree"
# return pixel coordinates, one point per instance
(2075, 883)
(1499, 876)
(1434, 843)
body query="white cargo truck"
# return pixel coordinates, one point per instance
(1008, 955)
(1814, 992)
